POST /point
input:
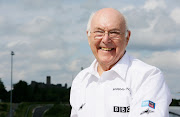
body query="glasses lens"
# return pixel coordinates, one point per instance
(112, 34)
(98, 34)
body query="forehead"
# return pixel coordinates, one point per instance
(108, 20)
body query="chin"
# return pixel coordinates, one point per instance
(106, 61)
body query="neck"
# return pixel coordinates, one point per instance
(102, 67)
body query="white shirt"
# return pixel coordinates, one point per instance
(130, 89)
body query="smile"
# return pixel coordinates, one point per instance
(106, 49)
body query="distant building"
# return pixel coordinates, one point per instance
(39, 84)
(48, 84)
(48, 80)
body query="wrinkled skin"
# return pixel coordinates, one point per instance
(108, 52)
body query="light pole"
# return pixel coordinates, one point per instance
(12, 53)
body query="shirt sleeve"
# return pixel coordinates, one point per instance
(152, 98)
(74, 96)
(73, 113)
(73, 101)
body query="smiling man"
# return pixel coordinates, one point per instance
(116, 84)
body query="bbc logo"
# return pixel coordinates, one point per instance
(122, 109)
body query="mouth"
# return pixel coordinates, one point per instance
(106, 49)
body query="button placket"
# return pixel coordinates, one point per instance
(99, 100)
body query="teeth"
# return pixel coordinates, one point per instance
(106, 49)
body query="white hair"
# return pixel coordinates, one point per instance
(89, 23)
(90, 20)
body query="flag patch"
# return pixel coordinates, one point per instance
(148, 103)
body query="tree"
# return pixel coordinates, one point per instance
(20, 92)
(3, 92)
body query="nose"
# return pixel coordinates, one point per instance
(106, 38)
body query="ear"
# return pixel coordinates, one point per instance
(87, 32)
(88, 37)
(128, 36)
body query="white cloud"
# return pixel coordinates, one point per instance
(91, 4)
(3, 70)
(40, 67)
(175, 15)
(37, 25)
(50, 54)
(19, 75)
(74, 65)
(127, 8)
(153, 4)
(153, 39)
(165, 59)
(2, 20)
(17, 43)
(152, 30)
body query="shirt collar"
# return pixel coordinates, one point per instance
(93, 68)
(120, 67)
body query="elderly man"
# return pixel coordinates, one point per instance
(116, 84)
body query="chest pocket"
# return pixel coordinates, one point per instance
(117, 103)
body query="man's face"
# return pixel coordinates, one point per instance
(106, 50)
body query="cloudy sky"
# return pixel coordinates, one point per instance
(49, 37)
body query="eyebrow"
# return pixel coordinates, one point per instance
(113, 29)
(97, 28)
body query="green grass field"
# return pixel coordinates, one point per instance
(24, 109)
(58, 110)
(4, 108)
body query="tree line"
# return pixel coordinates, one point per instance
(22, 92)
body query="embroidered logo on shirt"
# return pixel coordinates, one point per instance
(147, 111)
(81, 107)
(148, 103)
(121, 89)
(122, 109)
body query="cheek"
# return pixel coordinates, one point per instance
(94, 44)
(120, 46)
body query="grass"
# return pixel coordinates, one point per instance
(58, 110)
(21, 110)
(4, 108)
(25, 109)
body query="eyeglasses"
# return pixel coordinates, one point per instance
(115, 34)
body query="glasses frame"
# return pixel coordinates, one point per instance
(108, 32)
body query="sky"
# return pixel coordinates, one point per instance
(49, 38)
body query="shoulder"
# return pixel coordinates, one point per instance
(141, 74)
(138, 66)
(80, 75)
(79, 78)
(145, 78)
(77, 82)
